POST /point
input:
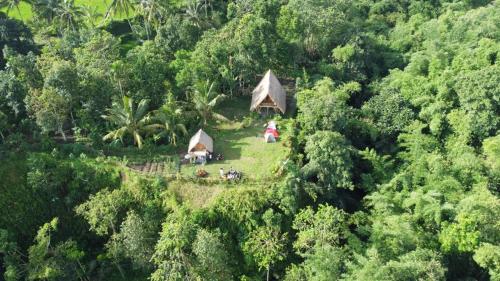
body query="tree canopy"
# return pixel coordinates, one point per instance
(391, 149)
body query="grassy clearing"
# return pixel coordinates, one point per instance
(239, 140)
(243, 147)
(195, 195)
(135, 155)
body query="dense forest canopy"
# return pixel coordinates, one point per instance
(388, 166)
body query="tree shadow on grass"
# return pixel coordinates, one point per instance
(228, 142)
(235, 108)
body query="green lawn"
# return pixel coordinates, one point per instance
(243, 148)
(195, 195)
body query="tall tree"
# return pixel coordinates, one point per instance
(212, 258)
(153, 13)
(51, 109)
(167, 121)
(204, 99)
(266, 245)
(330, 161)
(47, 9)
(129, 119)
(49, 260)
(69, 14)
(172, 256)
(119, 8)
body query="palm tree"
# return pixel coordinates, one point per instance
(47, 9)
(90, 14)
(193, 12)
(68, 14)
(197, 12)
(119, 7)
(152, 12)
(167, 121)
(129, 120)
(204, 100)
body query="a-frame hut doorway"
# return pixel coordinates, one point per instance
(268, 95)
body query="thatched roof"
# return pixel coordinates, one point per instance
(270, 87)
(201, 138)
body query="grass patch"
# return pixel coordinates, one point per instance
(195, 195)
(134, 154)
(243, 147)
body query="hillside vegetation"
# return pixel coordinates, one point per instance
(94, 8)
(387, 164)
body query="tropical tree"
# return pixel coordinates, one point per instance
(101, 210)
(420, 264)
(3, 124)
(316, 229)
(129, 120)
(119, 7)
(47, 9)
(134, 241)
(51, 109)
(212, 258)
(196, 11)
(266, 245)
(167, 120)
(330, 161)
(144, 74)
(205, 99)
(172, 257)
(325, 106)
(68, 14)
(49, 260)
(305, 24)
(152, 11)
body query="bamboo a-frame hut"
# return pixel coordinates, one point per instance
(269, 94)
(201, 144)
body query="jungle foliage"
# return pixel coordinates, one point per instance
(394, 164)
